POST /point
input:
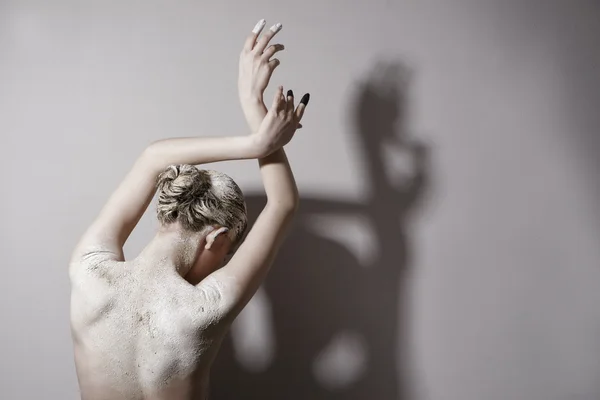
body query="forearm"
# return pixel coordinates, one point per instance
(200, 150)
(254, 110)
(278, 179)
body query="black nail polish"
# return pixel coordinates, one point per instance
(305, 99)
(290, 93)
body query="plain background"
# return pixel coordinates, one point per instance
(489, 108)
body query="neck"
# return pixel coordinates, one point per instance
(174, 248)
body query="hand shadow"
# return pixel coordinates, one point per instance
(320, 291)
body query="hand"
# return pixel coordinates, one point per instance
(256, 65)
(280, 123)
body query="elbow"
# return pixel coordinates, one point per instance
(294, 201)
(152, 156)
(294, 205)
(152, 150)
(287, 206)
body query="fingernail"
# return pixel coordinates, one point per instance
(305, 99)
(260, 24)
(276, 27)
(290, 93)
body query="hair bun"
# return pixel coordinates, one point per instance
(183, 182)
(197, 198)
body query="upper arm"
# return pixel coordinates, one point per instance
(119, 216)
(241, 277)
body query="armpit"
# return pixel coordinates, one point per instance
(97, 252)
(94, 260)
(211, 291)
(213, 300)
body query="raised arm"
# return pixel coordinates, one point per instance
(242, 276)
(105, 237)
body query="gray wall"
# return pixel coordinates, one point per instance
(447, 245)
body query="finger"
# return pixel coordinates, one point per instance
(283, 103)
(290, 101)
(278, 98)
(302, 106)
(274, 63)
(266, 38)
(271, 50)
(251, 39)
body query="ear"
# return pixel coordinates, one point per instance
(212, 236)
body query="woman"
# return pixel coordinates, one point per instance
(149, 328)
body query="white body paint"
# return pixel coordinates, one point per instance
(277, 27)
(140, 331)
(259, 25)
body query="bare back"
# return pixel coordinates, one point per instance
(141, 332)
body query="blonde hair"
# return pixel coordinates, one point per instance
(199, 198)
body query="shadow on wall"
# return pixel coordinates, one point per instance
(337, 319)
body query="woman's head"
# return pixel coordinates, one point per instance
(200, 200)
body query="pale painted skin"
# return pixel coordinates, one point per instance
(142, 331)
(150, 328)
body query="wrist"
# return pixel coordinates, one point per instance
(255, 146)
(254, 115)
(252, 99)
